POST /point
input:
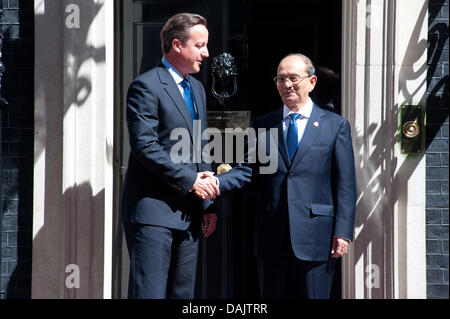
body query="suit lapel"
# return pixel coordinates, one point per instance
(174, 93)
(312, 128)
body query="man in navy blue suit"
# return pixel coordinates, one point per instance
(305, 210)
(161, 212)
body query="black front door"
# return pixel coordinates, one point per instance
(257, 33)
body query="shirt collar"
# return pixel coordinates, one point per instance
(305, 111)
(175, 74)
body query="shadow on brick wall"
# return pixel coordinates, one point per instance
(437, 83)
(437, 151)
(17, 147)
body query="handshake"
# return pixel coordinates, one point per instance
(206, 185)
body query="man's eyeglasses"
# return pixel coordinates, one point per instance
(294, 79)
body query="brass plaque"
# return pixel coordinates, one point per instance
(228, 119)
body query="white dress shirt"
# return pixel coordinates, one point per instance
(302, 120)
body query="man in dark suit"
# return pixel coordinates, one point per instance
(327, 89)
(161, 214)
(305, 210)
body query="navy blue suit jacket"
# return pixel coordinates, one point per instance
(314, 196)
(156, 190)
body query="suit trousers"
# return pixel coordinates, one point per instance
(163, 262)
(287, 277)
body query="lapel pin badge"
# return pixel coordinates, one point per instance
(316, 124)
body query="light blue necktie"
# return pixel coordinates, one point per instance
(292, 136)
(188, 99)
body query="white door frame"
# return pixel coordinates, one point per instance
(384, 66)
(73, 158)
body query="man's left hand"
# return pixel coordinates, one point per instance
(209, 223)
(339, 247)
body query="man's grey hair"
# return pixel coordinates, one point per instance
(309, 66)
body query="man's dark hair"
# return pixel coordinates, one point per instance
(177, 27)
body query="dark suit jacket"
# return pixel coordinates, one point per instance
(314, 196)
(156, 190)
